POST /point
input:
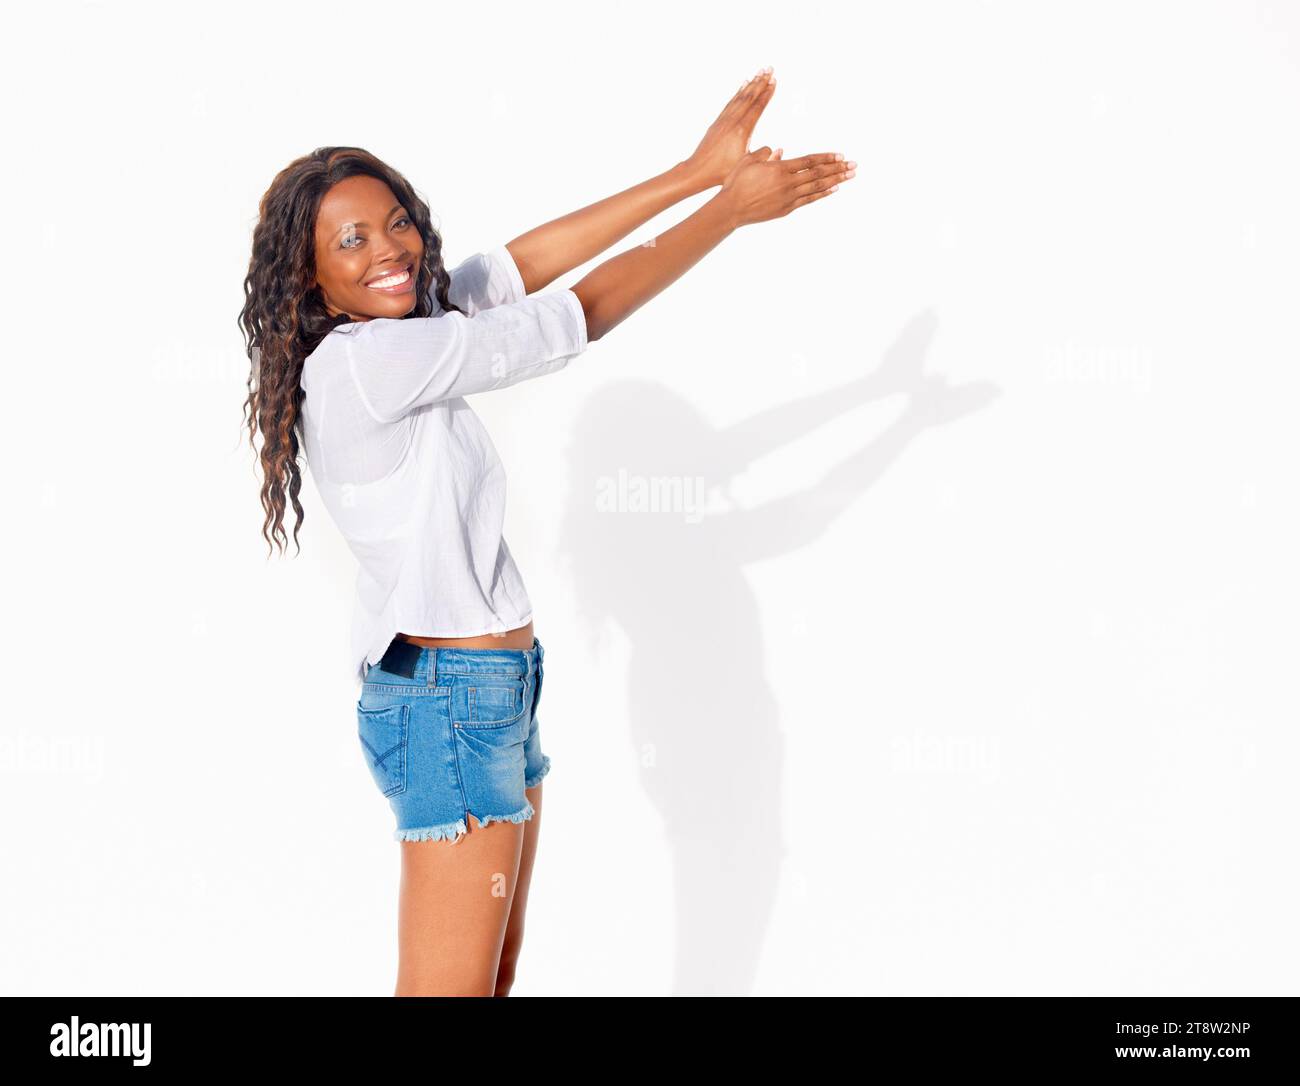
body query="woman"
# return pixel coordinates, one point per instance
(362, 347)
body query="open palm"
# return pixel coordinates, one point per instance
(727, 140)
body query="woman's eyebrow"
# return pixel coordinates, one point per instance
(363, 225)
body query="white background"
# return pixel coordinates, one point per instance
(1003, 704)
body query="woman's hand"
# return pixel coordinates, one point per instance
(727, 140)
(764, 186)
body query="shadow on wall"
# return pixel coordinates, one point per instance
(704, 723)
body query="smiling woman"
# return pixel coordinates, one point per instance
(364, 222)
(363, 346)
(366, 250)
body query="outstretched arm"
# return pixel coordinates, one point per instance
(762, 186)
(548, 251)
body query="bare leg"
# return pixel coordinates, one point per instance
(515, 927)
(454, 905)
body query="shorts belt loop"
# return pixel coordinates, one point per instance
(432, 679)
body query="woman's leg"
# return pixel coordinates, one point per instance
(515, 926)
(454, 905)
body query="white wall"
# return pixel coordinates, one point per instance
(995, 701)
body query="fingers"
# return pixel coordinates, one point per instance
(810, 198)
(757, 89)
(821, 182)
(753, 84)
(758, 94)
(822, 177)
(805, 162)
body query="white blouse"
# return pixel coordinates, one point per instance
(406, 469)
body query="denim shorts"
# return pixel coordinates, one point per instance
(458, 737)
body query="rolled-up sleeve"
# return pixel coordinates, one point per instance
(398, 365)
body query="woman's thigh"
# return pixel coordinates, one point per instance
(454, 908)
(514, 937)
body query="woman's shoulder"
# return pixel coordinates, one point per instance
(326, 360)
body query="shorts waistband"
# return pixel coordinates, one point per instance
(429, 664)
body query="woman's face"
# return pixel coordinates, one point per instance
(368, 251)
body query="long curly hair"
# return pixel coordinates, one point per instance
(284, 317)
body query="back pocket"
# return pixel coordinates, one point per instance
(383, 735)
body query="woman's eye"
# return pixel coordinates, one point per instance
(357, 237)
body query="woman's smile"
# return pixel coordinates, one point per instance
(398, 281)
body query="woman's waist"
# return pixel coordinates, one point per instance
(504, 656)
(518, 638)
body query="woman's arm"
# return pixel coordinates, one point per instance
(548, 251)
(762, 186)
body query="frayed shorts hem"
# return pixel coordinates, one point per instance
(454, 831)
(450, 830)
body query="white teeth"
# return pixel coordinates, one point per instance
(392, 280)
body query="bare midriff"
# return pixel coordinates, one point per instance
(520, 638)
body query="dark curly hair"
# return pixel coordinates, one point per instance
(284, 316)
